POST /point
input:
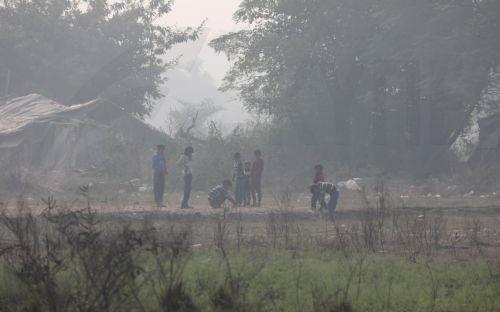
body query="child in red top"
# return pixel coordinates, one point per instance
(318, 177)
(318, 174)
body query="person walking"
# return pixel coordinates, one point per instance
(185, 163)
(159, 166)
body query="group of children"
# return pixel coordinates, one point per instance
(247, 177)
(243, 175)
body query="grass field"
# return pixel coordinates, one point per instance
(282, 281)
(378, 254)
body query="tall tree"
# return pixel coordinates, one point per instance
(77, 50)
(373, 82)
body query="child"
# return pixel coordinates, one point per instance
(246, 183)
(256, 178)
(159, 166)
(238, 177)
(219, 194)
(318, 177)
(319, 190)
(185, 163)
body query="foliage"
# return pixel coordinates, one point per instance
(192, 117)
(387, 83)
(75, 50)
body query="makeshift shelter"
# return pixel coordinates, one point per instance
(41, 136)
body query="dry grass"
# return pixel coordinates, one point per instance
(151, 257)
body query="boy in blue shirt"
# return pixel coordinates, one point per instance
(159, 166)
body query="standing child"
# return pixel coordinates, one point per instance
(238, 178)
(256, 178)
(159, 166)
(318, 177)
(185, 163)
(246, 183)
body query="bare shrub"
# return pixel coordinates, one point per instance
(34, 257)
(418, 234)
(347, 238)
(227, 296)
(373, 217)
(239, 231)
(101, 264)
(472, 235)
(278, 222)
(171, 254)
(324, 302)
(221, 228)
(101, 268)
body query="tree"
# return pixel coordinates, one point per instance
(191, 121)
(367, 82)
(77, 50)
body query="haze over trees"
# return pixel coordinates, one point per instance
(384, 94)
(74, 51)
(385, 83)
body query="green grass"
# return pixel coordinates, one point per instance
(367, 283)
(281, 281)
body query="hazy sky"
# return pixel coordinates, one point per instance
(184, 83)
(218, 15)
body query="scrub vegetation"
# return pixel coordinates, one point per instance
(387, 259)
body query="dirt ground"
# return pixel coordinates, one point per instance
(464, 218)
(351, 206)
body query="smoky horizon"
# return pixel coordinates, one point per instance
(249, 155)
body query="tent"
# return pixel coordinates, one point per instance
(39, 136)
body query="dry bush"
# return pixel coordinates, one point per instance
(374, 216)
(384, 227)
(472, 235)
(418, 235)
(33, 256)
(68, 260)
(323, 302)
(170, 256)
(278, 222)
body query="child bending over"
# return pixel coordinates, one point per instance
(319, 191)
(219, 194)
